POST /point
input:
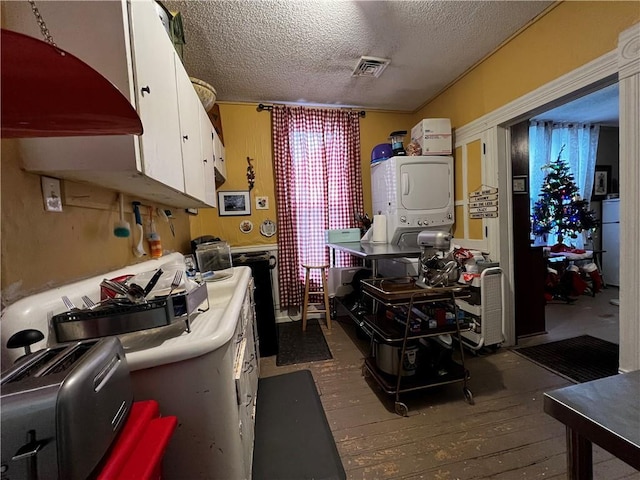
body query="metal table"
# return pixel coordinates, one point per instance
(374, 251)
(605, 412)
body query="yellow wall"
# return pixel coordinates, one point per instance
(41, 250)
(247, 132)
(567, 37)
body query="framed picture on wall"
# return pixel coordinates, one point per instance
(520, 184)
(601, 182)
(234, 203)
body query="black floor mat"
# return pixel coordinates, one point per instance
(296, 346)
(292, 437)
(580, 359)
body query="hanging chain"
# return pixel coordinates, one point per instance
(43, 26)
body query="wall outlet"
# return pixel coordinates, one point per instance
(51, 194)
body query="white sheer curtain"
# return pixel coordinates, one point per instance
(580, 143)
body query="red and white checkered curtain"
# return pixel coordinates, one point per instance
(316, 156)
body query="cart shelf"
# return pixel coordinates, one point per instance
(393, 332)
(394, 292)
(422, 378)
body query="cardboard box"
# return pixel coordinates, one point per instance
(433, 135)
(343, 235)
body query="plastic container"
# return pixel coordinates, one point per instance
(381, 152)
(213, 256)
(155, 245)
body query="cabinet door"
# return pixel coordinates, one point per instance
(154, 68)
(192, 160)
(206, 138)
(218, 150)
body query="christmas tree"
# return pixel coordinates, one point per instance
(560, 210)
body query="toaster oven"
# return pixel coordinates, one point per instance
(61, 408)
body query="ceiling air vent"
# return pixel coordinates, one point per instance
(370, 67)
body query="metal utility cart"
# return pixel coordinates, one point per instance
(394, 292)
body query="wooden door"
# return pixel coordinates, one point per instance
(529, 267)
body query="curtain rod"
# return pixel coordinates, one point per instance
(268, 108)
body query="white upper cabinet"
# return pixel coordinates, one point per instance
(207, 134)
(220, 166)
(154, 67)
(192, 161)
(126, 42)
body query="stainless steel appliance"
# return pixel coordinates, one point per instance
(434, 270)
(61, 408)
(388, 358)
(261, 264)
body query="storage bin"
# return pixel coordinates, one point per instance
(343, 235)
(433, 135)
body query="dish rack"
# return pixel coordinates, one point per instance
(75, 325)
(403, 291)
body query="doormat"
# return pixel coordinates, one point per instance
(580, 359)
(293, 439)
(296, 346)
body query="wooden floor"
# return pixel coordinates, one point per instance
(505, 435)
(588, 315)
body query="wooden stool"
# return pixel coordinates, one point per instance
(307, 293)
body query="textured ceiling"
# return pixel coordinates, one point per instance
(600, 107)
(305, 51)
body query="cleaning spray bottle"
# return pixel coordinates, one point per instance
(155, 245)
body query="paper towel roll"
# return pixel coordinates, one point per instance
(379, 229)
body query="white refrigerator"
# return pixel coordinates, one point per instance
(611, 241)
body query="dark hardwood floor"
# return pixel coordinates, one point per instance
(505, 435)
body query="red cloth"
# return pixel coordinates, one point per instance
(139, 448)
(561, 247)
(317, 165)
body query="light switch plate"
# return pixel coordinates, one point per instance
(51, 194)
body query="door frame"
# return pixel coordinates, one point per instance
(621, 65)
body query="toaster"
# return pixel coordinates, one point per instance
(61, 409)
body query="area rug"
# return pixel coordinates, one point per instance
(580, 359)
(293, 439)
(296, 346)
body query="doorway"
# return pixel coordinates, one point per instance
(534, 316)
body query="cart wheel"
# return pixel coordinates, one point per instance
(468, 396)
(401, 409)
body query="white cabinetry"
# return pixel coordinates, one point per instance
(154, 67)
(125, 42)
(213, 394)
(221, 167)
(195, 138)
(207, 133)
(246, 372)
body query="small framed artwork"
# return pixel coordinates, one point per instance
(520, 184)
(234, 203)
(601, 182)
(262, 203)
